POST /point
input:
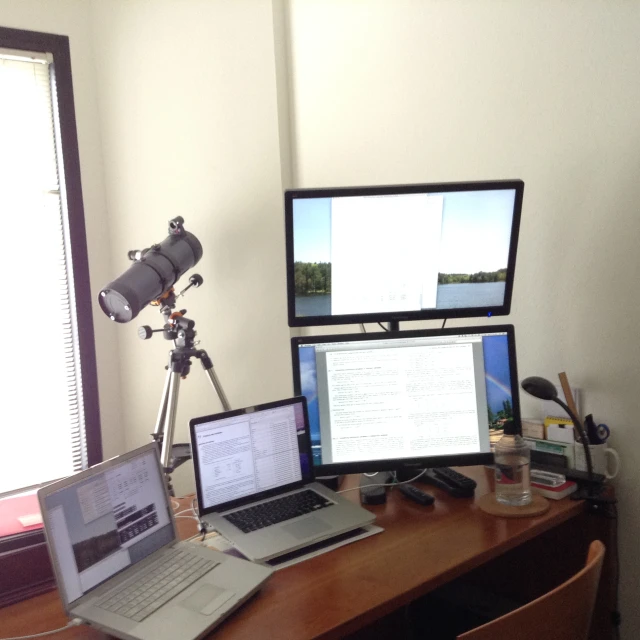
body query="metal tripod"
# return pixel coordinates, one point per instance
(182, 331)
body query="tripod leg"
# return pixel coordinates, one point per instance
(207, 365)
(170, 419)
(218, 387)
(162, 412)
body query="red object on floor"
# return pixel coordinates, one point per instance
(14, 507)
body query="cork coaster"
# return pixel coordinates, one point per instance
(488, 503)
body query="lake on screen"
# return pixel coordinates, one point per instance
(450, 296)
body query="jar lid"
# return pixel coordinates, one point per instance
(511, 428)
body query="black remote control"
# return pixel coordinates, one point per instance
(454, 483)
(416, 495)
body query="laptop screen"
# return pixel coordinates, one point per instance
(104, 523)
(250, 453)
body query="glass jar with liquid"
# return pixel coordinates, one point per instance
(513, 468)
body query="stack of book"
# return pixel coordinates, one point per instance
(555, 493)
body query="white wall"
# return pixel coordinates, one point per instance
(71, 18)
(188, 100)
(548, 92)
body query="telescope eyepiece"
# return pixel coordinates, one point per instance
(176, 225)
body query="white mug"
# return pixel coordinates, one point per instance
(599, 453)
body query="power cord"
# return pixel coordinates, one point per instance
(203, 526)
(384, 484)
(74, 622)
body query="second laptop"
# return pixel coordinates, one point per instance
(255, 482)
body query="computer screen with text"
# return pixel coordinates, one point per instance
(102, 525)
(248, 454)
(377, 399)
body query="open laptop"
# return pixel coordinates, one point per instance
(119, 565)
(255, 482)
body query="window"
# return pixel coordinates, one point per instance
(50, 424)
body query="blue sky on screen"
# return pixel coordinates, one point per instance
(309, 388)
(496, 370)
(312, 230)
(476, 228)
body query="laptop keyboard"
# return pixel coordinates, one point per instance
(275, 511)
(176, 570)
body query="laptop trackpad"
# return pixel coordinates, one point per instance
(207, 599)
(307, 527)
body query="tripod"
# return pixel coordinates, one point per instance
(182, 331)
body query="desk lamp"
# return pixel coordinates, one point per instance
(545, 390)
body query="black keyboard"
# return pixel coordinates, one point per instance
(278, 510)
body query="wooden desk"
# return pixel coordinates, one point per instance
(344, 590)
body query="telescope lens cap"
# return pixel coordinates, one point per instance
(115, 306)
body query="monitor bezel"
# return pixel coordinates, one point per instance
(393, 316)
(459, 460)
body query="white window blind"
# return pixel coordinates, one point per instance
(42, 419)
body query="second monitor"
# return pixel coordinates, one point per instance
(410, 399)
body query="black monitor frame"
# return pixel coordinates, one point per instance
(394, 317)
(466, 459)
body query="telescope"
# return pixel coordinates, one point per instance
(150, 280)
(152, 275)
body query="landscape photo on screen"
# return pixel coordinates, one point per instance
(443, 251)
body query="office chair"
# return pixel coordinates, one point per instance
(562, 614)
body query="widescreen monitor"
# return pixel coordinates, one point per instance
(409, 399)
(406, 252)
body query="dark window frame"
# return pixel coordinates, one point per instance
(25, 569)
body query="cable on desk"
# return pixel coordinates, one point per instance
(384, 484)
(385, 328)
(72, 623)
(203, 526)
(174, 504)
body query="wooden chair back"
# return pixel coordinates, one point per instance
(561, 614)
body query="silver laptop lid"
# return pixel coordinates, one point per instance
(103, 520)
(248, 454)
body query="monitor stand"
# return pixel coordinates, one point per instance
(370, 493)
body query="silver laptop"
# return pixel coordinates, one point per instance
(119, 565)
(255, 482)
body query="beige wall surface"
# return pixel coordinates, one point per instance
(188, 101)
(72, 18)
(417, 91)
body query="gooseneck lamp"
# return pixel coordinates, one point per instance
(544, 390)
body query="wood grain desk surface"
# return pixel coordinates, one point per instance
(341, 591)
